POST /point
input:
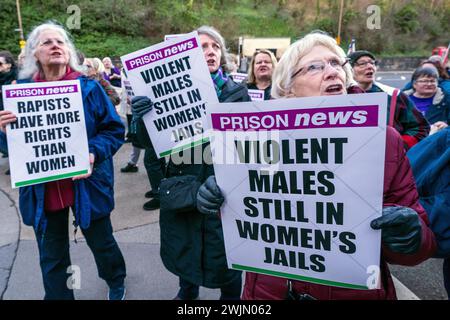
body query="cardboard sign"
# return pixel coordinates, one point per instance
(256, 95)
(48, 141)
(238, 77)
(307, 181)
(175, 76)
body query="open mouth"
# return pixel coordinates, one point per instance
(334, 89)
(369, 74)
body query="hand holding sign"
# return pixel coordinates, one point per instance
(6, 117)
(140, 105)
(401, 229)
(209, 197)
(87, 175)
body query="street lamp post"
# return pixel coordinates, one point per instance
(338, 39)
(19, 17)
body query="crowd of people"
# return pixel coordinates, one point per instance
(415, 220)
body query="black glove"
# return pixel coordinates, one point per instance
(140, 105)
(209, 197)
(401, 229)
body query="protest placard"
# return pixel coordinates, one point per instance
(175, 76)
(256, 95)
(307, 180)
(238, 77)
(173, 36)
(48, 141)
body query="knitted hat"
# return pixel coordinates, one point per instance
(354, 56)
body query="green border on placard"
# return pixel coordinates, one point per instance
(52, 178)
(181, 148)
(297, 277)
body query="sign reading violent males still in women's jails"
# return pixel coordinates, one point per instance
(175, 76)
(308, 180)
(48, 141)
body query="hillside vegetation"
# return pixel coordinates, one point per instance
(117, 27)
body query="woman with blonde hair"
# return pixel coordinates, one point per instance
(260, 72)
(316, 66)
(95, 69)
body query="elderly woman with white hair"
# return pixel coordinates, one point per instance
(50, 56)
(192, 245)
(95, 69)
(316, 66)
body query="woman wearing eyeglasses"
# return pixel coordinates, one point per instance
(315, 66)
(408, 121)
(431, 100)
(51, 56)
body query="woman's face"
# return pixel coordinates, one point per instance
(107, 63)
(211, 51)
(263, 66)
(52, 49)
(4, 67)
(425, 86)
(319, 73)
(90, 68)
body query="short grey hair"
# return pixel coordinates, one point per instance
(31, 65)
(282, 80)
(214, 34)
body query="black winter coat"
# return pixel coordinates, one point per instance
(192, 245)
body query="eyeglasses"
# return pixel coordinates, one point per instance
(426, 81)
(365, 63)
(51, 42)
(316, 67)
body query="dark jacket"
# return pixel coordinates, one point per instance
(440, 108)
(408, 121)
(192, 245)
(399, 189)
(94, 196)
(430, 162)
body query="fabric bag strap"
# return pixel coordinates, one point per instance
(392, 107)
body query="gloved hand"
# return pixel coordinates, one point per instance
(209, 197)
(401, 229)
(140, 105)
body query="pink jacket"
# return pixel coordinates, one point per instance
(399, 190)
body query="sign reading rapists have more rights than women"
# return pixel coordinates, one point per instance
(307, 182)
(48, 141)
(175, 76)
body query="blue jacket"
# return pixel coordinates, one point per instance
(430, 162)
(94, 196)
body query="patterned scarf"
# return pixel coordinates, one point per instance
(219, 79)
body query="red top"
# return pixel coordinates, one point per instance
(59, 194)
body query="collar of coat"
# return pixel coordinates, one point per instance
(438, 96)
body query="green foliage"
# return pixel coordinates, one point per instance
(406, 19)
(117, 27)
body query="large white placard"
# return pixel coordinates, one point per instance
(175, 76)
(302, 180)
(48, 141)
